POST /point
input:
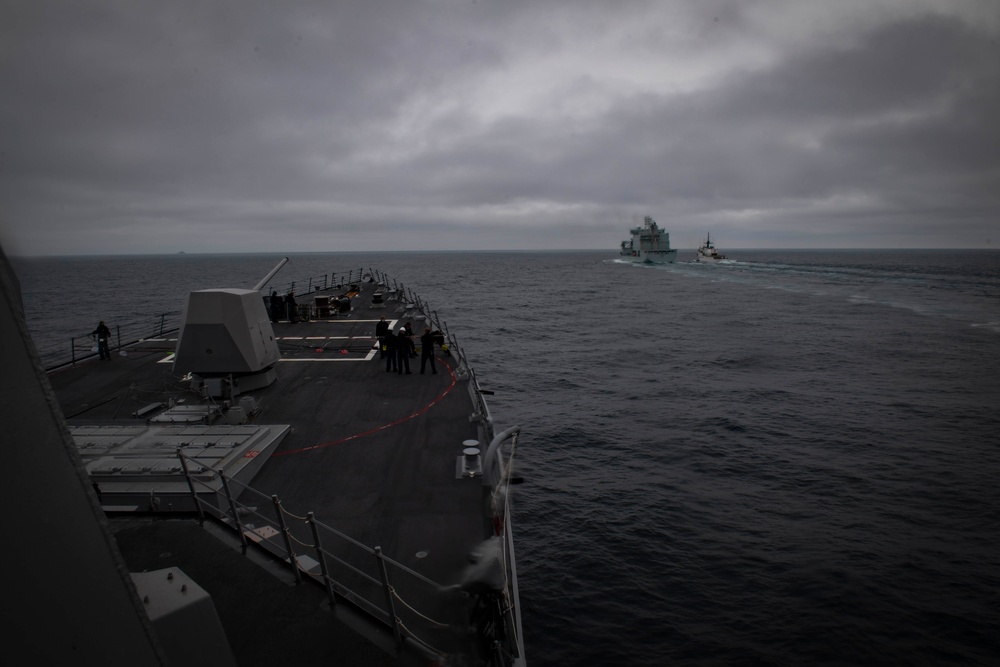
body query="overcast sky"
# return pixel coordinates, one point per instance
(157, 127)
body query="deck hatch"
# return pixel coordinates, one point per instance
(133, 464)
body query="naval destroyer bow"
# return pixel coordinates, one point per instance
(253, 489)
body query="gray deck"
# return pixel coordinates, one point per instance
(370, 453)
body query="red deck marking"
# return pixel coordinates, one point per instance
(437, 399)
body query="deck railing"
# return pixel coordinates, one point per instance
(351, 572)
(422, 615)
(497, 475)
(57, 353)
(82, 346)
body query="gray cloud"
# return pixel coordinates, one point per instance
(299, 126)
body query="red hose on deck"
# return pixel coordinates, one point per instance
(437, 399)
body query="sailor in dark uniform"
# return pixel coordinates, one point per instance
(427, 350)
(403, 344)
(390, 352)
(103, 335)
(381, 332)
(292, 307)
(275, 306)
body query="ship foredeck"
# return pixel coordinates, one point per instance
(376, 455)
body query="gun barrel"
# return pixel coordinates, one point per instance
(270, 275)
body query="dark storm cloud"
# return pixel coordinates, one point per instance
(128, 126)
(810, 128)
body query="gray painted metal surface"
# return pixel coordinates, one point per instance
(380, 459)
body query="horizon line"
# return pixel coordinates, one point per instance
(485, 250)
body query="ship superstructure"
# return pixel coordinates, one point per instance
(648, 244)
(707, 253)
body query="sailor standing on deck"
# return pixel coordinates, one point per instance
(103, 334)
(403, 344)
(409, 337)
(390, 352)
(381, 333)
(291, 307)
(427, 351)
(275, 306)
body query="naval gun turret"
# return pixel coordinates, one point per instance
(226, 341)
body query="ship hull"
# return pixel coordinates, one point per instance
(653, 257)
(712, 259)
(707, 254)
(374, 487)
(648, 245)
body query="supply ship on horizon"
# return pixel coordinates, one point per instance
(258, 488)
(648, 244)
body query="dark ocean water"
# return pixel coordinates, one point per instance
(789, 460)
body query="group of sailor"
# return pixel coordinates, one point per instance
(397, 349)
